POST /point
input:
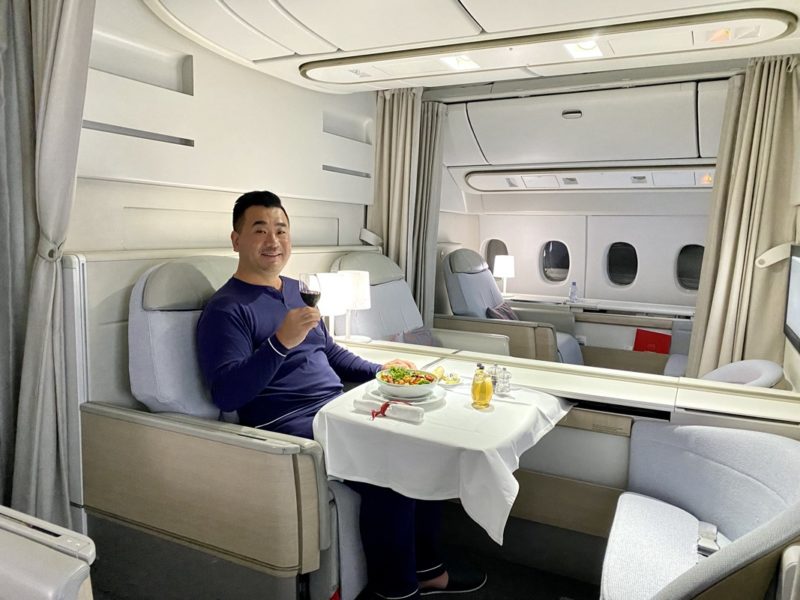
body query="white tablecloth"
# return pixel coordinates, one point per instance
(456, 452)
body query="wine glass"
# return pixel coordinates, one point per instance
(310, 290)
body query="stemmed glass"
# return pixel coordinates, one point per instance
(310, 290)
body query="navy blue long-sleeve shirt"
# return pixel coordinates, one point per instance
(251, 372)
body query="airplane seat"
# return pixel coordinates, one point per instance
(473, 291)
(753, 372)
(42, 561)
(708, 513)
(393, 315)
(679, 348)
(165, 305)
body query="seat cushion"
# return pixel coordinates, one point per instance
(569, 350)
(502, 311)
(650, 544)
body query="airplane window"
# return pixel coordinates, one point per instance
(555, 261)
(493, 248)
(690, 258)
(623, 264)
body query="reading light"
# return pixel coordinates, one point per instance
(504, 267)
(460, 63)
(584, 49)
(357, 297)
(662, 36)
(333, 296)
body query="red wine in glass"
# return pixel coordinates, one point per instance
(309, 288)
(310, 298)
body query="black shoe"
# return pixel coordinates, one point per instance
(459, 582)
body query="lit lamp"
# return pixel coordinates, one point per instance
(332, 300)
(357, 297)
(504, 267)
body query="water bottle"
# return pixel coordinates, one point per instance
(573, 292)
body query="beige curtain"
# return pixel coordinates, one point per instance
(396, 147)
(422, 255)
(61, 37)
(740, 308)
(17, 216)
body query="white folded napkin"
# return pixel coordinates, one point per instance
(392, 410)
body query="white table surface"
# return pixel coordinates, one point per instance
(456, 452)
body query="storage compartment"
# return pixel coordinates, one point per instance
(656, 122)
(460, 147)
(711, 98)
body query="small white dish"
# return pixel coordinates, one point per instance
(405, 391)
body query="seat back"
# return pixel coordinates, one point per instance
(165, 305)
(753, 372)
(392, 308)
(735, 479)
(470, 284)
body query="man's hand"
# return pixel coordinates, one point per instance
(296, 325)
(399, 362)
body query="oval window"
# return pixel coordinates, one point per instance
(555, 261)
(623, 264)
(493, 248)
(690, 259)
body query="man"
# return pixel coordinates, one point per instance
(265, 354)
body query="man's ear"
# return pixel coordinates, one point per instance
(235, 240)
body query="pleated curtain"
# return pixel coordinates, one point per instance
(18, 227)
(422, 258)
(740, 307)
(61, 33)
(396, 148)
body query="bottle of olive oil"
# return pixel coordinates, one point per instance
(481, 388)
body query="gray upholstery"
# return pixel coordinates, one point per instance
(393, 310)
(470, 284)
(657, 537)
(679, 348)
(165, 305)
(744, 482)
(472, 290)
(754, 372)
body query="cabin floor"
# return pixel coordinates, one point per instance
(132, 565)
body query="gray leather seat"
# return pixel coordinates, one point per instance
(684, 481)
(393, 314)
(165, 306)
(472, 290)
(754, 372)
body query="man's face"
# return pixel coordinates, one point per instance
(263, 241)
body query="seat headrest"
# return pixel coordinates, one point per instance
(186, 284)
(465, 260)
(381, 269)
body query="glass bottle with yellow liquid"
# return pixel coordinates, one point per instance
(481, 388)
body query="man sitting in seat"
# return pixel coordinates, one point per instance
(265, 354)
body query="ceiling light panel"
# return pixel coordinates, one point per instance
(218, 25)
(364, 24)
(621, 41)
(497, 16)
(271, 20)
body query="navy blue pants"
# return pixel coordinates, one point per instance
(401, 539)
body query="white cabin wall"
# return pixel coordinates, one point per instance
(248, 131)
(457, 228)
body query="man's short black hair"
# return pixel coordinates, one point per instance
(258, 198)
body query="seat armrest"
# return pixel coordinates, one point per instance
(244, 494)
(560, 318)
(789, 574)
(526, 339)
(491, 343)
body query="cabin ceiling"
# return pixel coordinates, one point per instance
(359, 45)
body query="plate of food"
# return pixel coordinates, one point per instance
(446, 380)
(399, 382)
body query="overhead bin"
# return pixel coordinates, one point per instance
(711, 98)
(655, 122)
